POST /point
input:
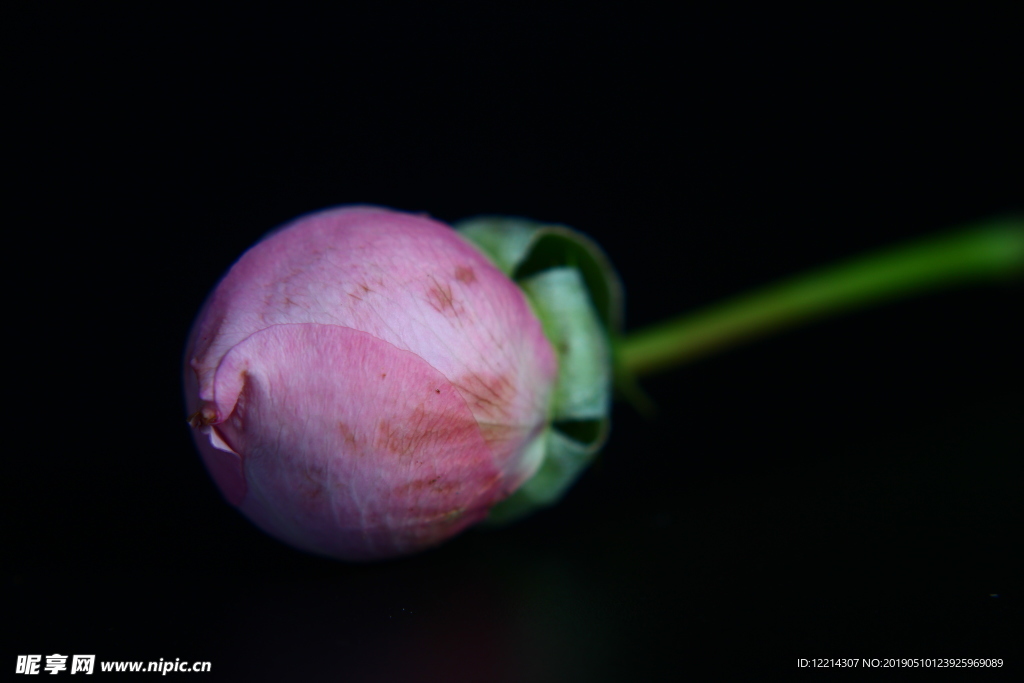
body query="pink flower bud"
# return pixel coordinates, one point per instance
(365, 383)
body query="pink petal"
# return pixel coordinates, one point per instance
(352, 447)
(409, 281)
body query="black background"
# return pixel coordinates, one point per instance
(849, 489)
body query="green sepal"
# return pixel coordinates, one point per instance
(561, 300)
(577, 296)
(521, 247)
(564, 460)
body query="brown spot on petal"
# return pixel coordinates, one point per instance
(312, 483)
(348, 434)
(419, 430)
(404, 439)
(361, 290)
(440, 298)
(449, 518)
(465, 275)
(496, 434)
(490, 399)
(487, 396)
(433, 485)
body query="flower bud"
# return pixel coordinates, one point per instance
(365, 383)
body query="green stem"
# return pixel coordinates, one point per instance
(989, 251)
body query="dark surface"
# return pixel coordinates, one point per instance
(850, 489)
